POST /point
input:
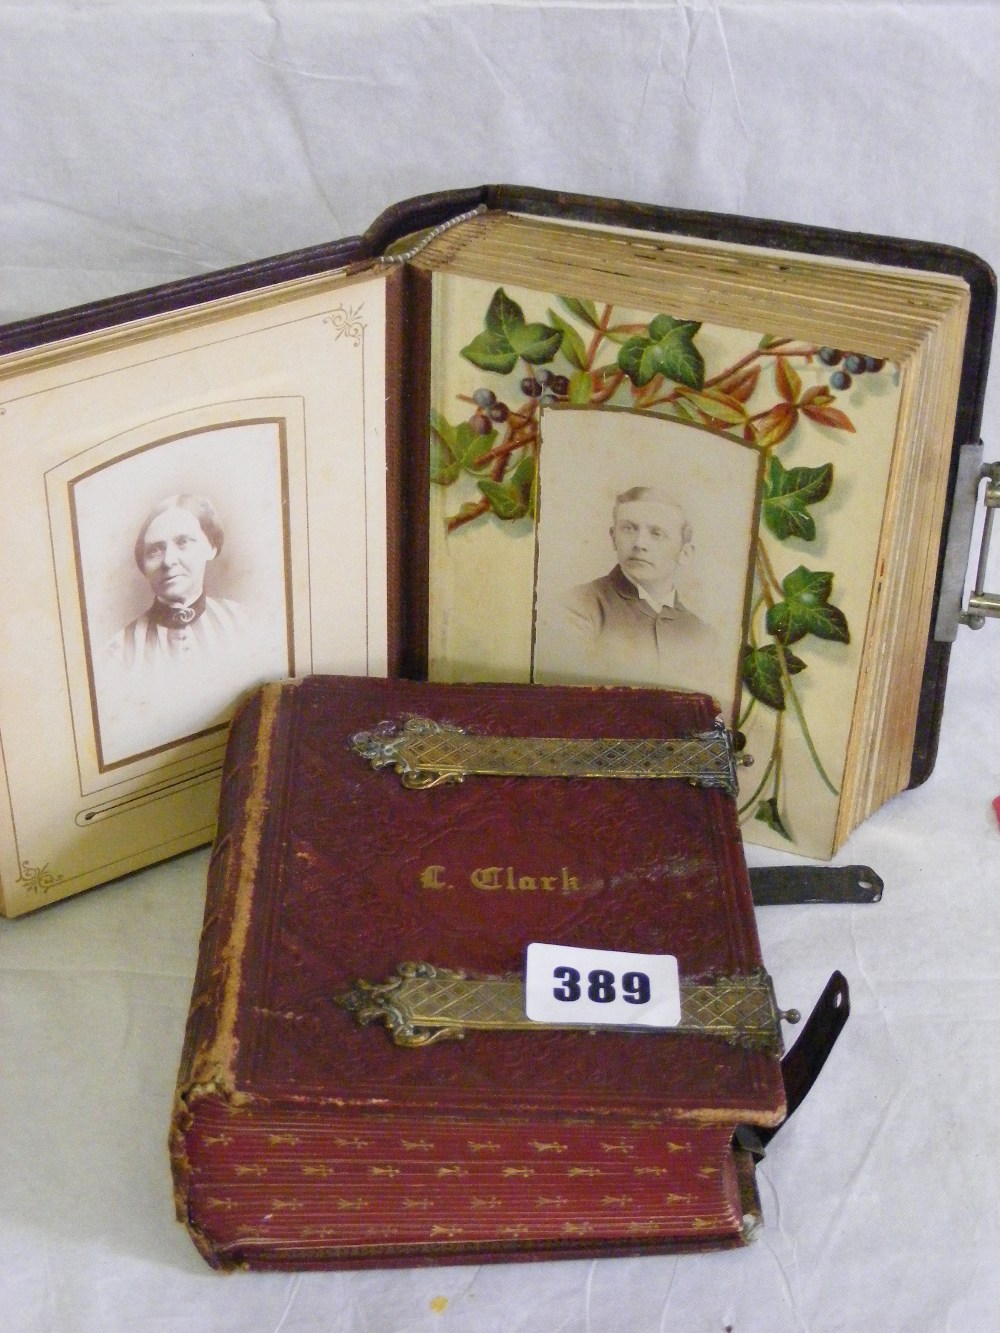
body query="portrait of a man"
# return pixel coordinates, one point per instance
(181, 535)
(633, 615)
(644, 546)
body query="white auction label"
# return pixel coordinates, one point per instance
(563, 984)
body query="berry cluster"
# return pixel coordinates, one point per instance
(491, 411)
(854, 363)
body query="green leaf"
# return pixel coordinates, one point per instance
(506, 337)
(506, 500)
(469, 448)
(767, 813)
(585, 310)
(806, 609)
(669, 350)
(581, 388)
(491, 351)
(573, 347)
(536, 343)
(660, 326)
(787, 495)
(445, 467)
(763, 677)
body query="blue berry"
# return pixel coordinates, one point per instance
(855, 364)
(840, 380)
(479, 424)
(829, 356)
(531, 387)
(873, 363)
(484, 398)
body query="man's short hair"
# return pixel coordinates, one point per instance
(203, 510)
(654, 495)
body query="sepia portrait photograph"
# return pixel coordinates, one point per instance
(645, 538)
(181, 561)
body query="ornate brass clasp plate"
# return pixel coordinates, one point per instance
(426, 753)
(423, 1004)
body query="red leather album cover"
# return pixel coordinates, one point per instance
(303, 1138)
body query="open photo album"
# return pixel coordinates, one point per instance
(505, 436)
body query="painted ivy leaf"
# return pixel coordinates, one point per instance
(787, 379)
(585, 310)
(445, 467)
(514, 498)
(788, 493)
(667, 350)
(573, 348)
(456, 449)
(536, 343)
(740, 384)
(806, 609)
(715, 406)
(762, 674)
(817, 405)
(491, 351)
(775, 425)
(581, 388)
(767, 813)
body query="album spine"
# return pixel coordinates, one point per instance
(210, 1047)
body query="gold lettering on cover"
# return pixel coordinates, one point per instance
(451, 1171)
(523, 1171)
(703, 1223)
(276, 1139)
(547, 1147)
(351, 1205)
(646, 1224)
(677, 1147)
(487, 878)
(212, 1139)
(584, 1171)
(514, 1231)
(708, 1171)
(319, 1170)
(417, 1145)
(487, 1203)
(678, 1198)
(447, 1232)
(356, 1143)
(576, 1228)
(384, 1171)
(287, 1205)
(618, 1147)
(617, 1200)
(557, 1201)
(251, 1170)
(652, 1171)
(430, 878)
(226, 1204)
(418, 1203)
(482, 1147)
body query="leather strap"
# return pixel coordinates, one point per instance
(801, 1066)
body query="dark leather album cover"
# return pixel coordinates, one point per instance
(317, 1124)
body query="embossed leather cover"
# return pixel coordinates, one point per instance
(301, 1139)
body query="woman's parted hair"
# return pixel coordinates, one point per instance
(203, 510)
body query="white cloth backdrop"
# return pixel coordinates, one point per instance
(146, 142)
